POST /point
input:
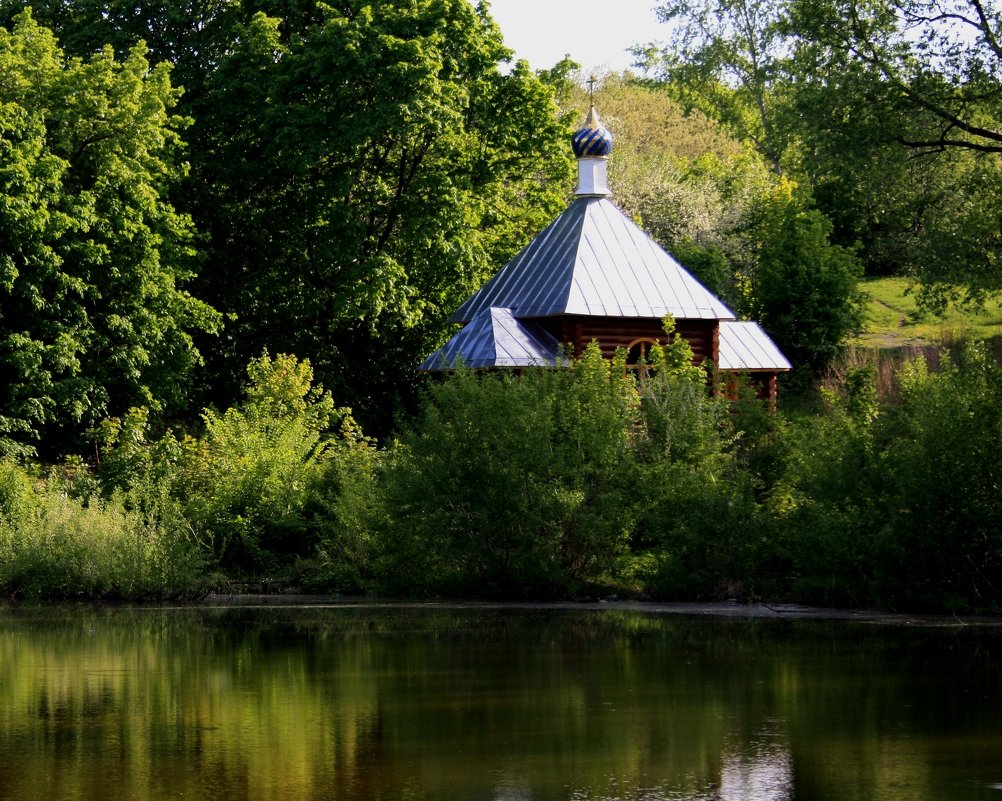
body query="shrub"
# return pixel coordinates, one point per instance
(696, 510)
(348, 510)
(899, 507)
(245, 484)
(54, 545)
(942, 486)
(823, 508)
(512, 485)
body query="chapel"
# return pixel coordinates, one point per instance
(593, 274)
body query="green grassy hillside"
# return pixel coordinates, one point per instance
(894, 320)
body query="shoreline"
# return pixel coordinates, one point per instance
(724, 609)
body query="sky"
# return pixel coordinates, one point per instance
(595, 33)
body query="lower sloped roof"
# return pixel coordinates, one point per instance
(745, 346)
(494, 338)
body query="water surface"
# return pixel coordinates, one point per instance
(485, 704)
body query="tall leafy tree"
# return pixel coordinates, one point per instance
(191, 35)
(801, 287)
(888, 108)
(726, 58)
(899, 111)
(392, 167)
(357, 168)
(940, 59)
(93, 258)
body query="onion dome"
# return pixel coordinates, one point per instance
(593, 139)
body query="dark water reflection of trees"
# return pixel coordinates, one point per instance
(438, 704)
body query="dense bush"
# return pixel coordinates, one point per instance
(901, 506)
(53, 544)
(512, 486)
(348, 509)
(572, 482)
(940, 486)
(262, 483)
(554, 483)
(696, 509)
(246, 482)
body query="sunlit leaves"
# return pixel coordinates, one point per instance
(93, 317)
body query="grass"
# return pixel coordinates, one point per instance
(896, 330)
(893, 319)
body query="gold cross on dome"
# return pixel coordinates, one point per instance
(591, 88)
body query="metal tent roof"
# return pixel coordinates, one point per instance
(494, 338)
(593, 260)
(745, 346)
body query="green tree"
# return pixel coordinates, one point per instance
(888, 109)
(357, 168)
(802, 288)
(897, 507)
(93, 257)
(190, 35)
(896, 115)
(725, 58)
(394, 167)
(939, 59)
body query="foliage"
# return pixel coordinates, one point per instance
(886, 109)
(92, 256)
(898, 507)
(803, 289)
(724, 58)
(349, 508)
(556, 483)
(55, 545)
(264, 487)
(245, 483)
(695, 510)
(901, 135)
(821, 508)
(357, 169)
(940, 540)
(512, 486)
(930, 214)
(938, 59)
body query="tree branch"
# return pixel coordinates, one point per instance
(869, 54)
(986, 28)
(941, 144)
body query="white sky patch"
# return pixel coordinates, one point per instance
(595, 34)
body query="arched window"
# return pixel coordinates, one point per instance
(637, 355)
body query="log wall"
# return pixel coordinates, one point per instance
(612, 333)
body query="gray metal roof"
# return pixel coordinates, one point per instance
(745, 346)
(593, 260)
(494, 338)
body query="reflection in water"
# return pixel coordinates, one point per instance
(762, 770)
(512, 788)
(412, 704)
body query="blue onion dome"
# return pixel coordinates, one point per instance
(593, 139)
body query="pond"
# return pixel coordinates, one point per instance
(480, 703)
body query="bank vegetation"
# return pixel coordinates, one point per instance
(560, 483)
